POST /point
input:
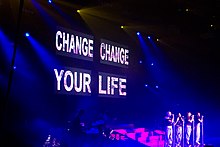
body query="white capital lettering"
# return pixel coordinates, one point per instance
(113, 85)
(78, 82)
(58, 36)
(86, 82)
(122, 86)
(70, 74)
(58, 77)
(100, 86)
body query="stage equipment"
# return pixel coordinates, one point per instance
(183, 130)
(193, 130)
(202, 125)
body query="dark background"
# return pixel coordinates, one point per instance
(186, 63)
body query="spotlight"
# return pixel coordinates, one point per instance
(14, 67)
(122, 27)
(138, 33)
(78, 11)
(148, 37)
(50, 1)
(187, 10)
(145, 85)
(27, 34)
(140, 61)
(157, 39)
(211, 25)
(157, 87)
(152, 64)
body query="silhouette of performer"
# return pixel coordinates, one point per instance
(179, 129)
(169, 120)
(198, 120)
(189, 121)
(77, 124)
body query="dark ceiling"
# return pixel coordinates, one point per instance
(198, 18)
(196, 15)
(186, 25)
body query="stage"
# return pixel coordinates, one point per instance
(122, 62)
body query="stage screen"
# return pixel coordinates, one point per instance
(111, 85)
(74, 44)
(77, 81)
(115, 54)
(73, 81)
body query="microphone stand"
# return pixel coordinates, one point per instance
(193, 133)
(202, 125)
(174, 134)
(183, 130)
(173, 126)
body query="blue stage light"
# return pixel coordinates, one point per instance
(50, 1)
(140, 61)
(145, 85)
(14, 67)
(157, 87)
(138, 33)
(27, 34)
(152, 64)
(148, 37)
(42, 53)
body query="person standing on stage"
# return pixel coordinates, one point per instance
(189, 121)
(169, 120)
(179, 129)
(77, 124)
(198, 121)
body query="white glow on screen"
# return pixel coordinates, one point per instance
(58, 77)
(78, 85)
(58, 44)
(111, 53)
(74, 81)
(66, 75)
(122, 85)
(69, 44)
(86, 81)
(112, 85)
(101, 91)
